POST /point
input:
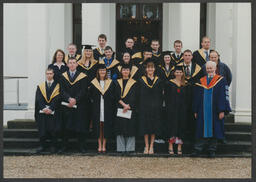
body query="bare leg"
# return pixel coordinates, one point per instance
(152, 139)
(171, 148)
(101, 138)
(179, 149)
(146, 144)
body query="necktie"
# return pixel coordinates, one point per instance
(187, 71)
(207, 55)
(72, 74)
(49, 84)
(178, 56)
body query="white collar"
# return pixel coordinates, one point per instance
(176, 54)
(49, 81)
(62, 64)
(208, 51)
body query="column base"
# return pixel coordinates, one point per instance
(243, 116)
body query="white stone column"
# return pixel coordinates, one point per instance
(242, 60)
(38, 49)
(181, 21)
(99, 18)
(233, 42)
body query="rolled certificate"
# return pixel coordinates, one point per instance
(127, 114)
(66, 104)
(42, 112)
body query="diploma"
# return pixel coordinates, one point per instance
(127, 114)
(66, 104)
(42, 112)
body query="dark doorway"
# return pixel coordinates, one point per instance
(77, 26)
(203, 16)
(142, 22)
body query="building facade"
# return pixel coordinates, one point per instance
(32, 33)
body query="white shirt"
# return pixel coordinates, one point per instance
(176, 54)
(208, 51)
(102, 83)
(189, 67)
(59, 66)
(49, 82)
(74, 72)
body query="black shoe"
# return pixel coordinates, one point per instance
(194, 154)
(211, 154)
(82, 149)
(53, 150)
(62, 150)
(40, 150)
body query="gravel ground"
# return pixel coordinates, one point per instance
(124, 167)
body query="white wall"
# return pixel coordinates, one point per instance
(181, 21)
(98, 18)
(233, 42)
(32, 33)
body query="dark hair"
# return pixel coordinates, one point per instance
(102, 36)
(215, 52)
(55, 54)
(49, 69)
(72, 44)
(71, 58)
(121, 75)
(150, 65)
(98, 75)
(204, 37)
(188, 50)
(108, 48)
(155, 40)
(177, 42)
(182, 78)
(128, 38)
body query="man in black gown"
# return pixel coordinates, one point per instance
(74, 97)
(98, 53)
(47, 111)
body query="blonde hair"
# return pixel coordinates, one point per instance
(83, 59)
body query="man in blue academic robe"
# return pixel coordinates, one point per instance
(210, 106)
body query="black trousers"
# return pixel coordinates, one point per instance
(210, 144)
(66, 135)
(52, 137)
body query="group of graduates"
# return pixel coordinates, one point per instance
(172, 95)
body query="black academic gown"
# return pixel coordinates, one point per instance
(112, 68)
(126, 90)
(75, 119)
(50, 97)
(175, 61)
(89, 71)
(109, 106)
(150, 105)
(77, 56)
(58, 72)
(176, 106)
(97, 54)
(135, 73)
(157, 56)
(164, 74)
(199, 57)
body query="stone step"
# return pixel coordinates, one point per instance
(21, 124)
(33, 133)
(20, 133)
(239, 127)
(29, 152)
(238, 136)
(30, 143)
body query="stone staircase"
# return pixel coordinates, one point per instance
(21, 138)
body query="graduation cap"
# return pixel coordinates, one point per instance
(88, 46)
(101, 66)
(147, 49)
(180, 68)
(150, 60)
(126, 66)
(164, 53)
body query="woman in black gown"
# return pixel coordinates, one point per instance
(176, 106)
(126, 90)
(103, 106)
(87, 64)
(150, 105)
(135, 72)
(58, 64)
